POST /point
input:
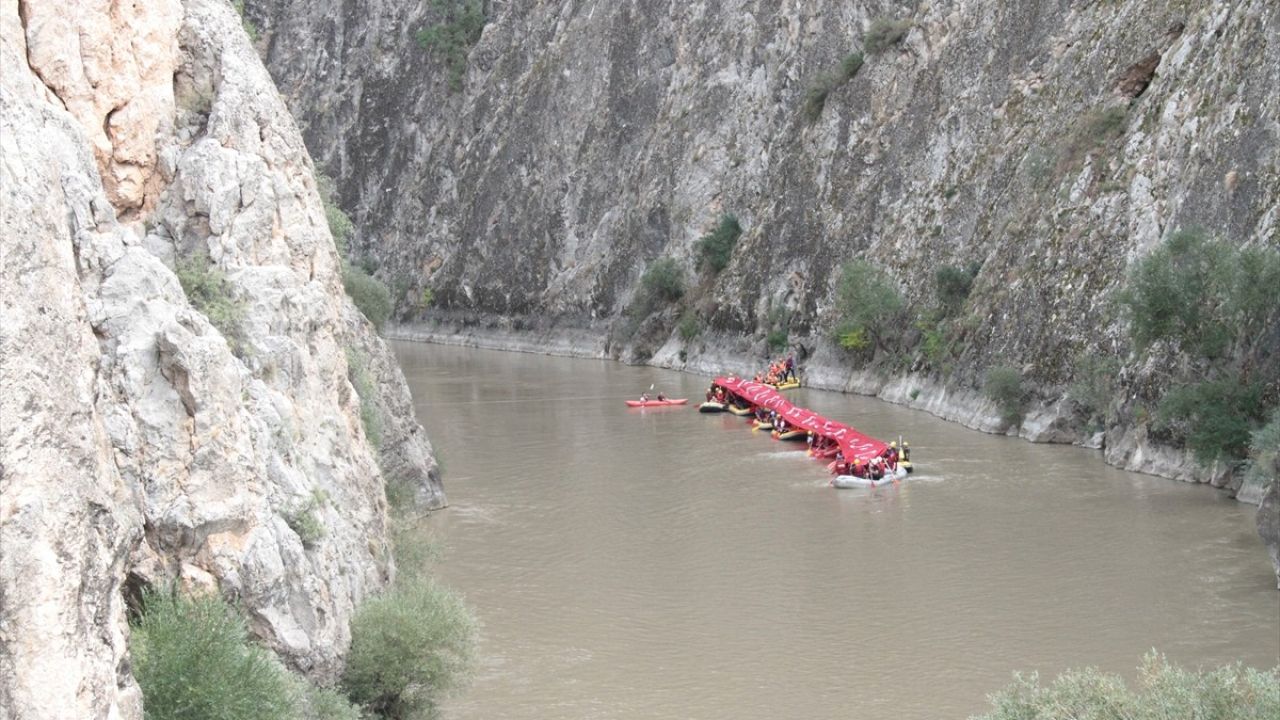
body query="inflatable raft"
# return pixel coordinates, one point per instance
(711, 406)
(853, 481)
(739, 411)
(788, 385)
(656, 403)
(792, 434)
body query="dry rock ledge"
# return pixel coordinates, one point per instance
(141, 444)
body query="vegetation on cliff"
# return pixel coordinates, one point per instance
(460, 27)
(1163, 691)
(1213, 307)
(370, 295)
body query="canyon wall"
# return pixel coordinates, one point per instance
(182, 368)
(1047, 144)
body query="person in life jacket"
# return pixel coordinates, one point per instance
(662, 397)
(906, 451)
(644, 397)
(790, 368)
(858, 469)
(891, 455)
(877, 468)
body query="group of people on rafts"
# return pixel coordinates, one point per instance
(781, 372)
(891, 462)
(886, 463)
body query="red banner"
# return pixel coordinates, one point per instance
(852, 443)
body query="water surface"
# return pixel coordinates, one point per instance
(658, 563)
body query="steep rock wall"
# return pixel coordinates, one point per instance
(1053, 143)
(141, 443)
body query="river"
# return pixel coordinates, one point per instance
(659, 563)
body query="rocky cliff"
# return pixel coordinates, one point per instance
(178, 356)
(1047, 144)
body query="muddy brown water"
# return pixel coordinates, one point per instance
(660, 563)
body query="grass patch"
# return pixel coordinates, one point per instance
(716, 249)
(815, 97)
(209, 291)
(306, 522)
(452, 38)
(409, 647)
(1162, 692)
(250, 27)
(884, 33)
(362, 381)
(193, 661)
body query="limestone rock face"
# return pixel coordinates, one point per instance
(143, 441)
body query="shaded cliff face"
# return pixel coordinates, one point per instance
(146, 440)
(1051, 143)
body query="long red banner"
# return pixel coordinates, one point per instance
(852, 443)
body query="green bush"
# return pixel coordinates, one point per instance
(209, 291)
(867, 304)
(953, 285)
(663, 280)
(427, 298)
(370, 294)
(1003, 385)
(409, 647)
(362, 381)
(777, 339)
(689, 326)
(193, 661)
(884, 33)
(815, 98)
(1264, 446)
(1202, 294)
(325, 704)
(1163, 692)
(453, 37)
(1215, 417)
(715, 249)
(1094, 384)
(662, 283)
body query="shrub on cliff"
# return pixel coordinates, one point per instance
(1163, 692)
(953, 285)
(884, 33)
(193, 661)
(362, 381)
(209, 291)
(409, 647)
(370, 295)
(815, 98)
(716, 248)
(1003, 385)
(460, 27)
(1216, 417)
(867, 303)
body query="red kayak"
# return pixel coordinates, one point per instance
(657, 403)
